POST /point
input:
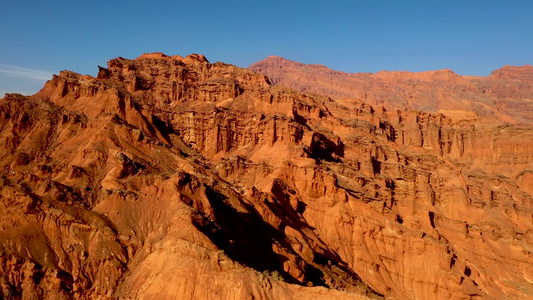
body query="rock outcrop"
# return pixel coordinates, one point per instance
(172, 177)
(507, 94)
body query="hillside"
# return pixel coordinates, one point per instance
(172, 177)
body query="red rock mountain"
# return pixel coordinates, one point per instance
(175, 178)
(506, 94)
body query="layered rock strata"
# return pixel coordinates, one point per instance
(507, 94)
(171, 177)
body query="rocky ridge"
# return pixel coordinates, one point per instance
(171, 177)
(507, 94)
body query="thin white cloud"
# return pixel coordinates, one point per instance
(16, 71)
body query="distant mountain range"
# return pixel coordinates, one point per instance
(507, 94)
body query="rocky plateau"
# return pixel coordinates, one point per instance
(169, 177)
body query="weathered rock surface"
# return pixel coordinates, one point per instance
(507, 94)
(171, 177)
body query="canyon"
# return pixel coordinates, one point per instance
(170, 177)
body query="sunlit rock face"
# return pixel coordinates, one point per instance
(172, 177)
(507, 94)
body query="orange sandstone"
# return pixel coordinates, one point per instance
(172, 177)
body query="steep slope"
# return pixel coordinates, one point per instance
(506, 94)
(174, 177)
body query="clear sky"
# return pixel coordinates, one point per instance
(471, 37)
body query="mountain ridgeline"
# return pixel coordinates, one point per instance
(507, 94)
(173, 177)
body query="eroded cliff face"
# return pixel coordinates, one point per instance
(174, 177)
(506, 94)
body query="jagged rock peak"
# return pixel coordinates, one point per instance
(188, 59)
(155, 55)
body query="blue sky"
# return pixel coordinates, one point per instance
(39, 38)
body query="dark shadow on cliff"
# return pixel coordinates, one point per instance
(323, 148)
(246, 238)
